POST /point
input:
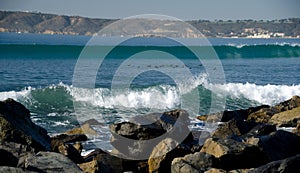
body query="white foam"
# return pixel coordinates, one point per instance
(15, 94)
(264, 94)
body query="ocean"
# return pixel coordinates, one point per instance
(38, 71)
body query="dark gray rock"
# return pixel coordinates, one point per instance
(49, 162)
(280, 144)
(233, 128)
(288, 165)
(16, 126)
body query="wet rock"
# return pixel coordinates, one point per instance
(48, 162)
(234, 155)
(16, 126)
(279, 145)
(288, 165)
(197, 162)
(287, 118)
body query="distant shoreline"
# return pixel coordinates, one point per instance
(39, 23)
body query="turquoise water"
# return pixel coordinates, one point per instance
(37, 70)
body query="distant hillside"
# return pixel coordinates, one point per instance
(25, 22)
(49, 24)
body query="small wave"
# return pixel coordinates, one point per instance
(59, 98)
(263, 94)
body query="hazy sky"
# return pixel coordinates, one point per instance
(182, 9)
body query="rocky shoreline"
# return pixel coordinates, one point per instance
(248, 140)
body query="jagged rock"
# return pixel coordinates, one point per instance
(105, 161)
(233, 154)
(193, 163)
(132, 138)
(233, 128)
(108, 163)
(16, 126)
(71, 152)
(241, 114)
(262, 115)
(287, 118)
(288, 165)
(163, 154)
(260, 129)
(292, 103)
(279, 145)
(6, 169)
(48, 162)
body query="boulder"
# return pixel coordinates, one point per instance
(279, 145)
(132, 138)
(10, 153)
(241, 114)
(108, 163)
(48, 162)
(288, 165)
(193, 163)
(287, 118)
(16, 126)
(263, 115)
(163, 154)
(103, 162)
(233, 154)
(233, 128)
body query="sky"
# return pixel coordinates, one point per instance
(181, 9)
